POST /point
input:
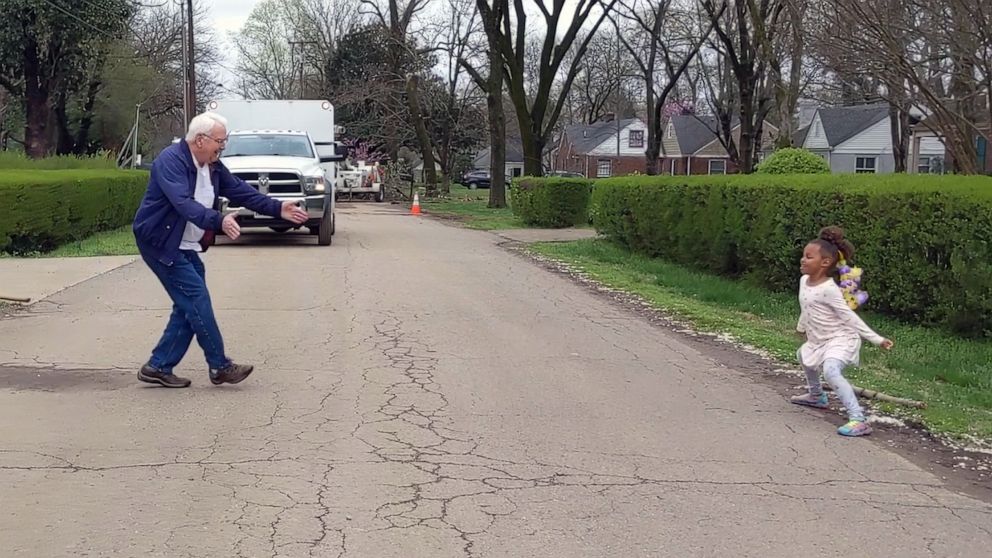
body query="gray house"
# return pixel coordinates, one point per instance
(858, 139)
(514, 159)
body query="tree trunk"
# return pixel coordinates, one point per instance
(86, 121)
(746, 142)
(491, 18)
(899, 128)
(423, 138)
(655, 131)
(63, 136)
(37, 93)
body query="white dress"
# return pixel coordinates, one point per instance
(832, 329)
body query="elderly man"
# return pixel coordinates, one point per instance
(175, 222)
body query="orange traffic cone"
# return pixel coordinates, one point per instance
(415, 210)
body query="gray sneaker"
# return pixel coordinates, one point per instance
(230, 374)
(155, 376)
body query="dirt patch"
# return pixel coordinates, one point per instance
(965, 471)
(19, 378)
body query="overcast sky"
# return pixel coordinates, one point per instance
(228, 15)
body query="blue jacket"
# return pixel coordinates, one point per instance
(168, 204)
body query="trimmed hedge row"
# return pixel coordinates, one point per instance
(925, 242)
(551, 202)
(43, 209)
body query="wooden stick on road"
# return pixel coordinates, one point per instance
(14, 298)
(872, 394)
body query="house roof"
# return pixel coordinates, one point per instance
(586, 137)
(514, 154)
(843, 123)
(695, 132)
(799, 138)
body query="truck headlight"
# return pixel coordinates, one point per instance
(314, 184)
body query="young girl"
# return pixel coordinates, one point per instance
(833, 331)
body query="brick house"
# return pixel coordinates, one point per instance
(593, 150)
(690, 145)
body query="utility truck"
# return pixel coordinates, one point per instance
(286, 150)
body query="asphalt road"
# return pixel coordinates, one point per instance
(422, 392)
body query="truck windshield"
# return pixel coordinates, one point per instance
(280, 145)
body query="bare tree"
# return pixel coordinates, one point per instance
(663, 43)
(746, 31)
(538, 113)
(924, 55)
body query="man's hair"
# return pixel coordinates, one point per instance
(204, 124)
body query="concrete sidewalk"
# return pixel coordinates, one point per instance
(40, 278)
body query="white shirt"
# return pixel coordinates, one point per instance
(204, 195)
(832, 329)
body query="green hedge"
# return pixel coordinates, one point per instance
(551, 202)
(792, 160)
(925, 242)
(43, 209)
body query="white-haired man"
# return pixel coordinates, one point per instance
(174, 223)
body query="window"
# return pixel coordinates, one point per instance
(517, 171)
(923, 167)
(604, 168)
(671, 131)
(865, 165)
(636, 138)
(718, 166)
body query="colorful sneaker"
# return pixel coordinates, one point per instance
(856, 427)
(810, 400)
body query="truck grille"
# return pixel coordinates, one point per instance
(277, 182)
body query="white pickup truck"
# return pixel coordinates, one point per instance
(286, 150)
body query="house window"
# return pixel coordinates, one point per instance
(517, 171)
(671, 131)
(865, 165)
(718, 166)
(636, 138)
(604, 168)
(923, 167)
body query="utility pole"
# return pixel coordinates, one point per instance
(191, 67)
(300, 63)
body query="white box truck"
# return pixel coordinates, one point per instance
(287, 151)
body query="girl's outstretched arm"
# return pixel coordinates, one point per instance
(844, 313)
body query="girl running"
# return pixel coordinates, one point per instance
(833, 331)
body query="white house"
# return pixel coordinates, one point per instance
(858, 139)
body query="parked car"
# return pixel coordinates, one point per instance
(479, 179)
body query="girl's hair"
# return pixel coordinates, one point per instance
(833, 244)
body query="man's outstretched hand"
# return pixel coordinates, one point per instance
(292, 213)
(230, 226)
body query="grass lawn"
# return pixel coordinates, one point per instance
(952, 375)
(469, 207)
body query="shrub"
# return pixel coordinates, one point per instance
(922, 240)
(551, 202)
(43, 209)
(793, 161)
(10, 160)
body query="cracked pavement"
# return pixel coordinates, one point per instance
(421, 392)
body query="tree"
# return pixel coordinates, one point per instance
(663, 39)
(926, 55)
(265, 63)
(746, 31)
(492, 85)
(48, 52)
(538, 113)
(453, 104)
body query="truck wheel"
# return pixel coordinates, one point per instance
(380, 196)
(326, 229)
(280, 229)
(473, 185)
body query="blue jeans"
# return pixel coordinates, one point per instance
(192, 314)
